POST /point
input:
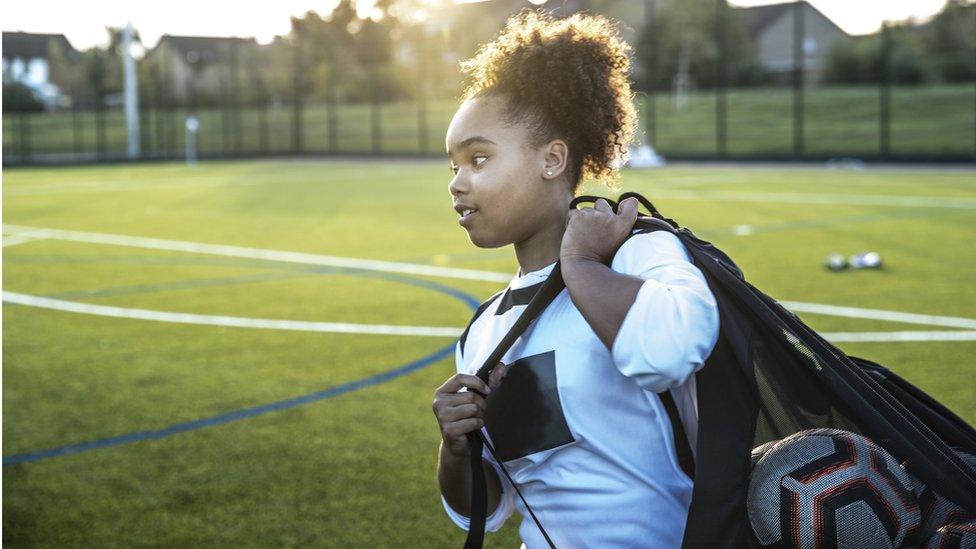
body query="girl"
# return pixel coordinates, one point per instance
(571, 409)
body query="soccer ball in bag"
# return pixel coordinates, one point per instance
(939, 512)
(825, 488)
(953, 536)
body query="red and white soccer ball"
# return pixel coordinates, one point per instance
(824, 488)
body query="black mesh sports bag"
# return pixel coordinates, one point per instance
(769, 376)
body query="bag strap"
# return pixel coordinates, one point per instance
(479, 487)
(553, 285)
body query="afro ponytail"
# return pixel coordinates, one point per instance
(566, 78)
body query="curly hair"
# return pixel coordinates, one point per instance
(565, 78)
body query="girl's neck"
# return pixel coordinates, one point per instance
(541, 249)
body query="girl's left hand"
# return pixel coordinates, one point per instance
(594, 234)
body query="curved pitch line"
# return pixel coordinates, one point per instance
(219, 320)
(264, 408)
(231, 416)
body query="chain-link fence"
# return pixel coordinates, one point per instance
(298, 97)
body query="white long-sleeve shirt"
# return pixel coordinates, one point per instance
(578, 426)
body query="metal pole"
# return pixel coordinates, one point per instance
(99, 127)
(374, 117)
(235, 96)
(223, 107)
(798, 37)
(720, 97)
(884, 112)
(297, 100)
(422, 133)
(131, 94)
(262, 116)
(75, 125)
(330, 100)
(25, 138)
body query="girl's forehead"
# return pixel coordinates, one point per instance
(480, 120)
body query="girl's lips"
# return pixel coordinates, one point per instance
(466, 219)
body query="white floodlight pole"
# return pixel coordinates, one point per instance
(131, 94)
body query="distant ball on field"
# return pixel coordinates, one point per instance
(836, 262)
(824, 488)
(953, 536)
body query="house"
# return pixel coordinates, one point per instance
(27, 59)
(197, 66)
(772, 30)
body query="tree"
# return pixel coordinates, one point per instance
(704, 37)
(862, 61)
(949, 41)
(19, 98)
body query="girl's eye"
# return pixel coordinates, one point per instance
(453, 168)
(480, 156)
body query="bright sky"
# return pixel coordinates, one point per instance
(84, 22)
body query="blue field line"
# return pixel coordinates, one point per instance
(232, 416)
(245, 413)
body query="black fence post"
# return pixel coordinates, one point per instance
(331, 103)
(884, 97)
(76, 129)
(99, 127)
(158, 119)
(235, 97)
(374, 115)
(721, 137)
(798, 53)
(25, 138)
(145, 136)
(263, 100)
(421, 56)
(298, 84)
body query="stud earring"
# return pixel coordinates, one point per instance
(548, 172)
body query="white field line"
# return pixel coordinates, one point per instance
(878, 314)
(238, 322)
(410, 268)
(263, 254)
(379, 329)
(815, 198)
(874, 337)
(20, 238)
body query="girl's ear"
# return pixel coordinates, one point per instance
(556, 159)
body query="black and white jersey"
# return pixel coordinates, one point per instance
(577, 425)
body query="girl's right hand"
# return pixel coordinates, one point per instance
(460, 412)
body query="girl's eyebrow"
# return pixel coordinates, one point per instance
(471, 141)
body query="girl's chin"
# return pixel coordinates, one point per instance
(482, 241)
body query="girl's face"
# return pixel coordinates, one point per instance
(498, 188)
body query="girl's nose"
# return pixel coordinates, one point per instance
(457, 185)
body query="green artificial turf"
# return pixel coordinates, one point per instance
(359, 469)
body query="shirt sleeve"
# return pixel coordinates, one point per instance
(506, 504)
(673, 324)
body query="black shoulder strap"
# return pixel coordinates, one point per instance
(477, 313)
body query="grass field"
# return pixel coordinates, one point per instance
(358, 468)
(839, 121)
